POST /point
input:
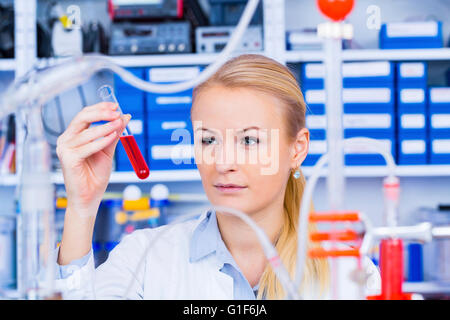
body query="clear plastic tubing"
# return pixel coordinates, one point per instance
(127, 139)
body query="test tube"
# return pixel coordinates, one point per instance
(127, 139)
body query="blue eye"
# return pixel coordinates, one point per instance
(208, 140)
(249, 141)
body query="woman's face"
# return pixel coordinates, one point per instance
(242, 150)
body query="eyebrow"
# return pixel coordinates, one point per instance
(241, 130)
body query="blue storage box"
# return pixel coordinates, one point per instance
(440, 148)
(439, 110)
(317, 125)
(361, 159)
(412, 148)
(412, 114)
(171, 155)
(361, 123)
(368, 100)
(317, 147)
(174, 102)
(412, 100)
(412, 123)
(354, 74)
(131, 99)
(315, 101)
(412, 75)
(312, 76)
(163, 125)
(368, 74)
(411, 35)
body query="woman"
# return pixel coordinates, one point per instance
(250, 141)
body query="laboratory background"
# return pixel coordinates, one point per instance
(395, 58)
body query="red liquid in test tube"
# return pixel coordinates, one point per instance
(135, 156)
(128, 141)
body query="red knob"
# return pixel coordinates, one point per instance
(336, 10)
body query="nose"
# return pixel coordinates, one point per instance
(225, 157)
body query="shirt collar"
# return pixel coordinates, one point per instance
(203, 240)
(206, 239)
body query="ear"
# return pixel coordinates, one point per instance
(299, 149)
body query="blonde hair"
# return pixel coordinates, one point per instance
(258, 72)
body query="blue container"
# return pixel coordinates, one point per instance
(411, 35)
(131, 99)
(412, 74)
(317, 147)
(354, 74)
(171, 155)
(361, 159)
(174, 102)
(369, 100)
(439, 110)
(415, 262)
(412, 100)
(439, 147)
(315, 101)
(163, 125)
(412, 148)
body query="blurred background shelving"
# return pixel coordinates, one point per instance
(422, 185)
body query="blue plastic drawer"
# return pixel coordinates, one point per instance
(171, 155)
(368, 123)
(164, 125)
(317, 125)
(130, 98)
(312, 76)
(439, 111)
(439, 100)
(315, 101)
(368, 74)
(440, 149)
(410, 35)
(368, 100)
(412, 100)
(317, 147)
(361, 159)
(174, 102)
(354, 74)
(412, 148)
(412, 74)
(412, 123)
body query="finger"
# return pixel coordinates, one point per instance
(111, 148)
(89, 149)
(104, 111)
(95, 132)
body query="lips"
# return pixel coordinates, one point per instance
(227, 188)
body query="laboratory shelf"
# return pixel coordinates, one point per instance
(8, 179)
(155, 176)
(427, 287)
(151, 60)
(7, 64)
(164, 60)
(381, 171)
(193, 175)
(373, 54)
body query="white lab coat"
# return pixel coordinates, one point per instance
(165, 271)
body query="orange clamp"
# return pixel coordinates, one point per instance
(334, 216)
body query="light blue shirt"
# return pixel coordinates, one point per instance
(206, 240)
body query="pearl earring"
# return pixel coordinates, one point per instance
(297, 174)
